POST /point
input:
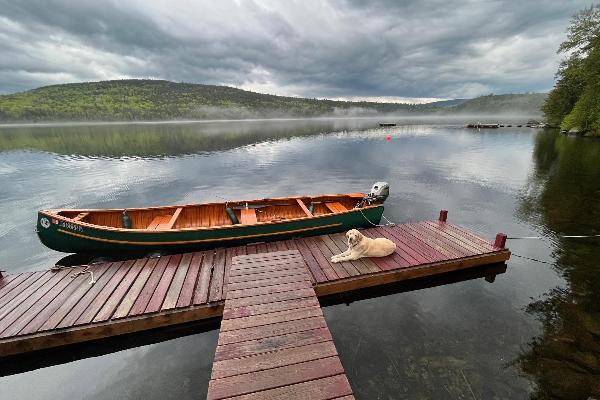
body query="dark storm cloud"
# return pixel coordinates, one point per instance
(317, 49)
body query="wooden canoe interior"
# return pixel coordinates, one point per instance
(211, 215)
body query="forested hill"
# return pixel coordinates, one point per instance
(505, 104)
(136, 100)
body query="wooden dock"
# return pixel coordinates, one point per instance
(274, 342)
(45, 309)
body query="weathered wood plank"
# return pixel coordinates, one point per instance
(71, 318)
(187, 291)
(262, 345)
(177, 283)
(163, 285)
(140, 304)
(67, 304)
(257, 309)
(274, 378)
(272, 359)
(201, 291)
(276, 288)
(271, 318)
(115, 298)
(8, 306)
(318, 389)
(90, 312)
(216, 281)
(135, 290)
(30, 306)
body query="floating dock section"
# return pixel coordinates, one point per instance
(44, 309)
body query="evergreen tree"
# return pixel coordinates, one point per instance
(574, 103)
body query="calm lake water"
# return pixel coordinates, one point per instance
(534, 332)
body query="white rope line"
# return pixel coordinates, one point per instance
(389, 223)
(86, 270)
(559, 236)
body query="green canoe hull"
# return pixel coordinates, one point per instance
(74, 238)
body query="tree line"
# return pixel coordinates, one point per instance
(574, 103)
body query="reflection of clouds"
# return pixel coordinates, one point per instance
(476, 176)
(178, 368)
(420, 162)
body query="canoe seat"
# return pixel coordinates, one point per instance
(336, 207)
(159, 222)
(248, 217)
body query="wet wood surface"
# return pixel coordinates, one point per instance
(55, 307)
(265, 352)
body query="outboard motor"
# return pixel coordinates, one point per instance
(379, 193)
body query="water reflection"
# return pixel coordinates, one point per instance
(563, 198)
(444, 341)
(157, 140)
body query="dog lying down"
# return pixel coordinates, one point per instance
(360, 246)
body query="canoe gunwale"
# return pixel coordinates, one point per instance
(54, 214)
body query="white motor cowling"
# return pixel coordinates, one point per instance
(379, 192)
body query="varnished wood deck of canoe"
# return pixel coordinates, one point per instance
(46, 309)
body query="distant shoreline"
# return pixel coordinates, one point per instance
(441, 118)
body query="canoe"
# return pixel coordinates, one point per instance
(201, 226)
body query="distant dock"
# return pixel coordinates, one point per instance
(45, 309)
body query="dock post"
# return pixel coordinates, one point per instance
(500, 241)
(1, 271)
(443, 215)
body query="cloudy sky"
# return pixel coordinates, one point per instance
(382, 49)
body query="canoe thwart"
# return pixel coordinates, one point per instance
(303, 207)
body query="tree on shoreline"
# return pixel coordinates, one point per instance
(574, 103)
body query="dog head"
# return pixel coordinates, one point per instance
(354, 237)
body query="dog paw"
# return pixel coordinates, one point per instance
(333, 259)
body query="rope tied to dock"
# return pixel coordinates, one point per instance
(532, 259)
(389, 223)
(86, 270)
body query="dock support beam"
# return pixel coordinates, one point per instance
(443, 215)
(500, 241)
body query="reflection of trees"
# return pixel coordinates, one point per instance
(152, 140)
(564, 195)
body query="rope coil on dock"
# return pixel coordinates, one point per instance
(76, 274)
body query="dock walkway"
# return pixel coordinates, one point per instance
(274, 342)
(50, 308)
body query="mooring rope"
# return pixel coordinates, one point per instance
(389, 223)
(86, 270)
(559, 236)
(532, 259)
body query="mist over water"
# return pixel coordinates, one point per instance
(457, 340)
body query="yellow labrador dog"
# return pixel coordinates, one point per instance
(361, 246)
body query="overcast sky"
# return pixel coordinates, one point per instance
(334, 49)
